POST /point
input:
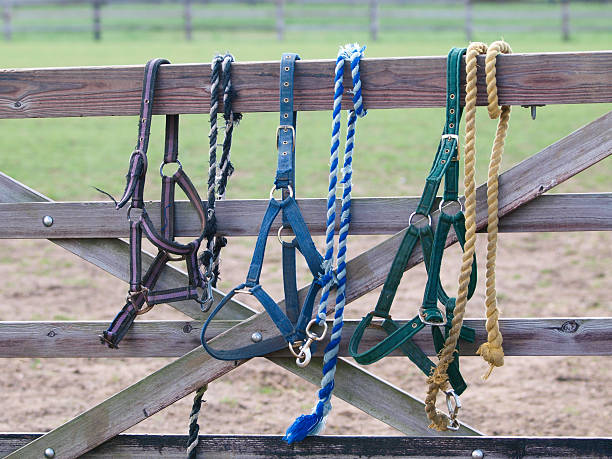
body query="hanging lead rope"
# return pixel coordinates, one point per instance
(217, 177)
(491, 351)
(218, 173)
(314, 423)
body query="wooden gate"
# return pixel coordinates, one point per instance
(91, 232)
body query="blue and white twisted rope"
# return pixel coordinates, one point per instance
(314, 423)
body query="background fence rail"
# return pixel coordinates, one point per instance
(282, 16)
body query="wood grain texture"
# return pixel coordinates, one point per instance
(526, 337)
(328, 446)
(522, 79)
(242, 217)
(411, 420)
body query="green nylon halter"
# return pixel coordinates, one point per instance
(445, 165)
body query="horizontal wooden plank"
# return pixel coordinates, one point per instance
(523, 79)
(527, 337)
(242, 217)
(328, 446)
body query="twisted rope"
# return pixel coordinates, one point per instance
(492, 351)
(439, 379)
(194, 428)
(314, 423)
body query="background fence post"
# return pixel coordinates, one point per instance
(469, 26)
(374, 19)
(97, 29)
(6, 18)
(187, 18)
(280, 19)
(565, 19)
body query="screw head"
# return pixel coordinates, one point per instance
(47, 220)
(477, 454)
(49, 452)
(256, 337)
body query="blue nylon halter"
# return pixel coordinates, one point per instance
(292, 322)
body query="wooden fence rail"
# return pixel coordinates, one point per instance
(522, 337)
(240, 217)
(522, 79)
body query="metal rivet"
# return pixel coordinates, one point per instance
(446, 150)
(286, 83)
(452, 111)
(286, 99)
(477, 454)
(452, 96)
(285, 115)
(286, 69)
(47, 220)
(284, 153)
(146, 101)
(414, 325)
(443, 161)
(49, 452)
(256, 337)
(285, 142)
(451, 125)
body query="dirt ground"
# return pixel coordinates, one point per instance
(539, 275)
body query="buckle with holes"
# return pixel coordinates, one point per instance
(452, 136)
(284, 127)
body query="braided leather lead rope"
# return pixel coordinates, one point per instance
(314, 423)
(491, 351)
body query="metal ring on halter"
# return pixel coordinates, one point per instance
(414, 213)
(161, 167)
(274, 189)
(279, 236)
(454, 405)
(429, 322)
(461, 206)
(314, 336)
(129, 211)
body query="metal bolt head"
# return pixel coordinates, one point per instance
(477, 454)
(49, 452)
(256, 337)
(47, 220)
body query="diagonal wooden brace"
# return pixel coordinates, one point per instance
(519, 185)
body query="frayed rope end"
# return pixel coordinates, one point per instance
(306, 424)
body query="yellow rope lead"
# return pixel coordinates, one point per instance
(492, 350)
(439, 379)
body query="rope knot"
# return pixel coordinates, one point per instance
(493, 354)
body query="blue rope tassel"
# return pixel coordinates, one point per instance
(314, 423)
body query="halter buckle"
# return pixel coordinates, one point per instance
(452, 136)
(284, 127)
(429, 322)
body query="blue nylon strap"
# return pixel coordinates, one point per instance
(272, 211)
(285, 171)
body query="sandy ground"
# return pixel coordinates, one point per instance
(539, 275)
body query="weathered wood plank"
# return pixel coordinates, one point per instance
(522, 79)
(521, 184)
(327, 446)
(242, 217)
(526, 337)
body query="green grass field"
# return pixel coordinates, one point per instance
(64, 158)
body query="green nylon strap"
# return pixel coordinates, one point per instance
(445, 165)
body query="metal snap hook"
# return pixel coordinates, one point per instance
(454, 405)
(307, 356)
